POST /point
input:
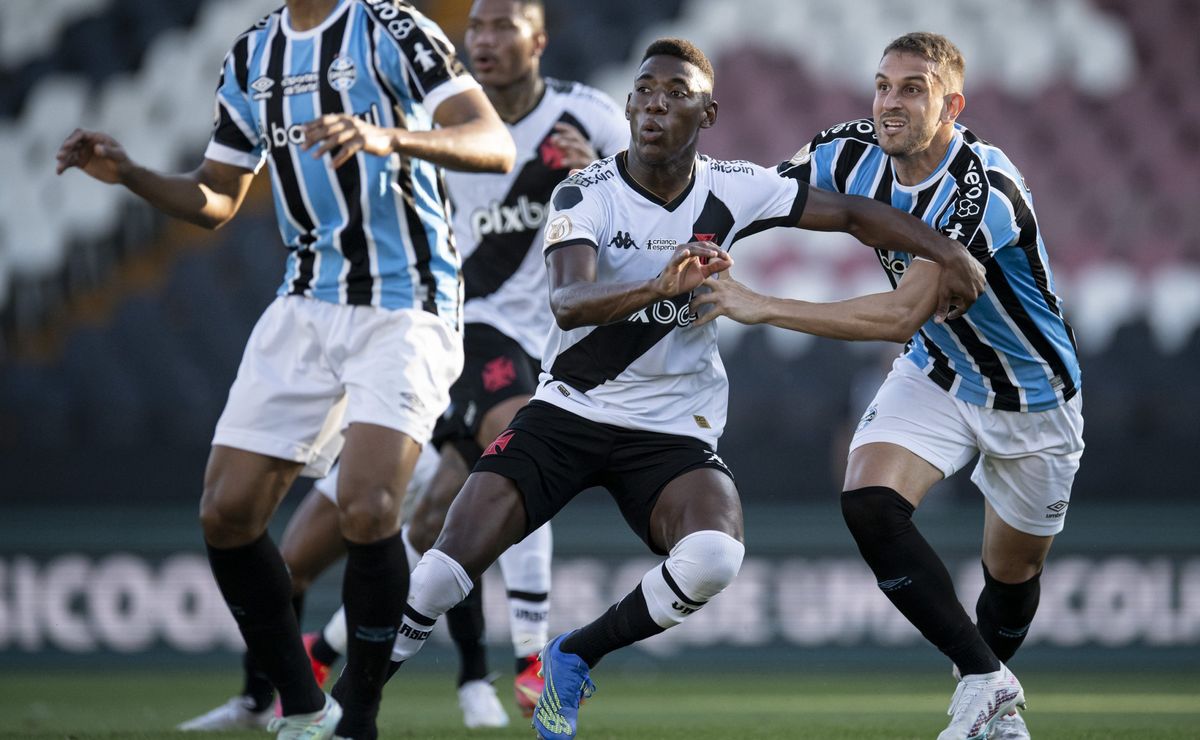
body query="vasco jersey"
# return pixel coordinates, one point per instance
(653, 370)
(1013, 350)
(375, 231)
(498, 218)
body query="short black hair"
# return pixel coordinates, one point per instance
(538, 9)
(681, 49)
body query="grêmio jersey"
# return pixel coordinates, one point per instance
(1013, 350)
(653, 370)
(376, 230)
(498, 218)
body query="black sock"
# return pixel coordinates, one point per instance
(910, 573)
(623, 624)
(466, 629)
(255, 584)
(374, 590)
(255, 685)
(323, 652)
(1005, 611)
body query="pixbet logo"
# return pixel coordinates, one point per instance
(524, 215)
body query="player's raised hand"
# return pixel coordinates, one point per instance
(728, 297)
(963, 279)
(97, 154)
(344, 136)
(576, 151)
(691, 265)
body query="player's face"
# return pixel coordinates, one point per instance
(671, 101)
(908, 104)
(503, 42)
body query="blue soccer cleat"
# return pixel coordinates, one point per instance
(567, 684)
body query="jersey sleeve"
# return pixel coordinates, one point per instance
(417, 57)
(235, 139)
(768, 200)
(575, 217)
(817, 161)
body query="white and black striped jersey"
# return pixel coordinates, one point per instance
(653, 370)
(376, 230)
(498, 218)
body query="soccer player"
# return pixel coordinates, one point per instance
(498, 219)
(1002, 381)
(342, 98)
(632, 396)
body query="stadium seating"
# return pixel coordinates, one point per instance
(1094, 101)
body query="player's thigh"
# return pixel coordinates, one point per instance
(1028, 464)
(433, 502)
(374, 471)
(1012, 556)
(397, 368)
(912, 435)
(497, 419)
(287, 401)
(486, 518)
(668, 486)
(242, 490)
(312, 540)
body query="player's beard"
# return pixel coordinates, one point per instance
(910, 141)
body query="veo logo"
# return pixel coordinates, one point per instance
(665, 312)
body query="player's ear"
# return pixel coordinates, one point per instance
(952, 106)
(628, 106)
(539, 43)
(710, 114)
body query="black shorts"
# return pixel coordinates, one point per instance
(553, 454)
(495, 368)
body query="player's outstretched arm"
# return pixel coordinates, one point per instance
(470, 137)
(893, 316)
(878, 225)
(578, 300)
(208, 196)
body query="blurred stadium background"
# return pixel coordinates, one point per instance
(122, 330)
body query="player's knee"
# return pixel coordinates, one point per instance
(368, 512)
(226, 520)
(875, 513)
(705, 562)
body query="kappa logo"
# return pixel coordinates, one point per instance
(622, 240)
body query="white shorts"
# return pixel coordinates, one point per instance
(427, 464)
(312, 368)
(1027, 460)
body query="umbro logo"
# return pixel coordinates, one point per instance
(623, 240)
(1058, 509)
(262, 88)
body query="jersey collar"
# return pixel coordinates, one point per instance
(636, 187)
(286, 22)
(934, 177)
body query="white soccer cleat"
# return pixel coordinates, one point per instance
(480, 705)
(236, 714)
(979, 701)
(317, 725)
(1010, 727)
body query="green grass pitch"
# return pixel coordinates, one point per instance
(145, 705)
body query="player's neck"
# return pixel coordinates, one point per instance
(666, 179)
(917, 167)
(513, 102)
(305, 15)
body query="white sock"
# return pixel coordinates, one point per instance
(526, 570)
(437, 584)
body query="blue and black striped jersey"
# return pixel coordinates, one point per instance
(1013, 350)
(376, 230)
